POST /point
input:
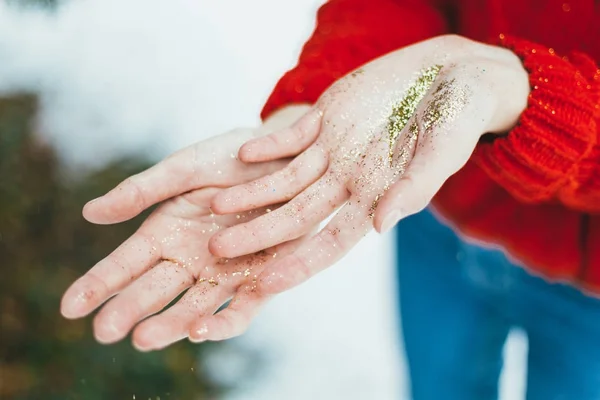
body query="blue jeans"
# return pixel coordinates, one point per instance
(458, 302)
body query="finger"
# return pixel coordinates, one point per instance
(110, 275)
(194, 208)
(205, 298)
(166, 179)
(146, 296)
(139, 253)
(450, 123)
(334, 241)
(286, 142)
(286, 223)
(233, 320)
(174, 323)
(279, 187)
(192, 168)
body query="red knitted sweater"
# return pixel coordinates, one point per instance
(534, 191)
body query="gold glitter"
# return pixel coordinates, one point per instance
(408, 150)
(247, 272)
(172, 260)
(359, 71)
(403, 111)
(213, 282)
(374, 205)
(448, 101)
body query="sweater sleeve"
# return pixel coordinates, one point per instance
(350, 33)
(552, 154)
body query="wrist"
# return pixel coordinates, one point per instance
(511, 89)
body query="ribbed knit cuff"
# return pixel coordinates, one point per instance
(556, 131)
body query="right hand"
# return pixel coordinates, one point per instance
(169, 253)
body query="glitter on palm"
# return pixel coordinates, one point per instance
(449, 99)
(403, 111)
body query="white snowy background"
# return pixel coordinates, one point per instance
(126, 76)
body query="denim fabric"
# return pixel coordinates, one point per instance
(458, 302)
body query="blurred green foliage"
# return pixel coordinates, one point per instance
(45, 245)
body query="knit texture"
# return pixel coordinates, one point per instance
(540, 159)
(350, 33)
(534, 191)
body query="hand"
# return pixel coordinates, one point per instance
(169, 252)
(380, 142)
(211, 162)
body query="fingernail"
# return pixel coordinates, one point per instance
(140, 348)
(77, 305)
(110, 329)
(200, 334)
(391, 220)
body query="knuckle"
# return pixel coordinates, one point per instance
(117, 266)
(331, 238)
(452, 38)
(299, 131)
(275, 139)
(138, 196)
(97, 289)
(455, 41)
(302, 271)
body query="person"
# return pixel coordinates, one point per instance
(486, 110)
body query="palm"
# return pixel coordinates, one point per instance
(382, 139)
(169, 254)
(166, 256)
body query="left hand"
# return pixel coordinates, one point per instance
(388, 137)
